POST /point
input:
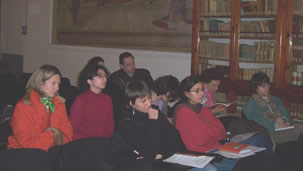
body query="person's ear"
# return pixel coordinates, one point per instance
(131, 104)
(121, 66)
(186, 94)
(89, 82)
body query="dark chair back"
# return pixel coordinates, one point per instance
(69, 92)
(83, 154)
(24, 159)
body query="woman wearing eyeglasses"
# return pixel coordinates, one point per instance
(92, 111)
(200, 130)
(265, 109)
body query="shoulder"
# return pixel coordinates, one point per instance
(278, 100)
(182, 110)
(250, 102)
(105, 97)
(142, 71)
(117, 73)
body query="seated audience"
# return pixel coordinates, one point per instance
(165, 89)
(92, 111)
(200, 130)
(265, 109)
(118, 80)
(40, 119)
(145, 129)
(211, 79)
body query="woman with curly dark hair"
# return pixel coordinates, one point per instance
(92, 111)
(165, 89)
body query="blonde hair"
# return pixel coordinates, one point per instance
(38, 78)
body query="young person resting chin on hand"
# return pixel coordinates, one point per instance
(145, 129)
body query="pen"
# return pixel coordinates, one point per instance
(135, 151)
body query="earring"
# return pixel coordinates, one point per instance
(133, 111)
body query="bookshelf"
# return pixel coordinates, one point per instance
(242, 37)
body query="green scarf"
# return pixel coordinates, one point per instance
(48, 103)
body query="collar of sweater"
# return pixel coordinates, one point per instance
(194, 107)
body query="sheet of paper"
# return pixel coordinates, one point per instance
(289, 127)
(189, 160)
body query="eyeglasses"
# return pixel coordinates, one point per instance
(101, 75)
(197, 91)
(263, 85)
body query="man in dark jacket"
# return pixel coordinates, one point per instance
(117, 81)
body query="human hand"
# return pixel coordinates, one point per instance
(58, 136)
(170, 120)
(158, 156)
(152, 113)
(217, 109)
(282, 122)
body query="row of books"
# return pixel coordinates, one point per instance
(223, 7)
(246, 74)
(252, 7)
(296, 111)
(297, 24)
(296, 78)
(258, 52)
(243, 35)
(298, 7)
(297, 55)
(215, 50)
(216, 7)
(223, 69)
(214, 25)
(258, 26)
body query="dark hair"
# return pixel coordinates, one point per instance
(166, 84)
(211, 74)
(124, 55)
(95, 60)
(88, 73)
(135, 89)
(258, 79)
(186, 84)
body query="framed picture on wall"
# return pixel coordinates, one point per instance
(162, 25)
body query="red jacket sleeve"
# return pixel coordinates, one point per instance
(26, 132)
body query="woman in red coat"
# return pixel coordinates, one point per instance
(40, 119)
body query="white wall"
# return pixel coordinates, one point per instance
(37, 49)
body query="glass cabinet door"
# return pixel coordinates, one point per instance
(215, 28)
(296, 60)
(257, 38)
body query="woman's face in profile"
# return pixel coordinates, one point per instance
(51, 86)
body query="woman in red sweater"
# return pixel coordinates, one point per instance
(92, 111)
